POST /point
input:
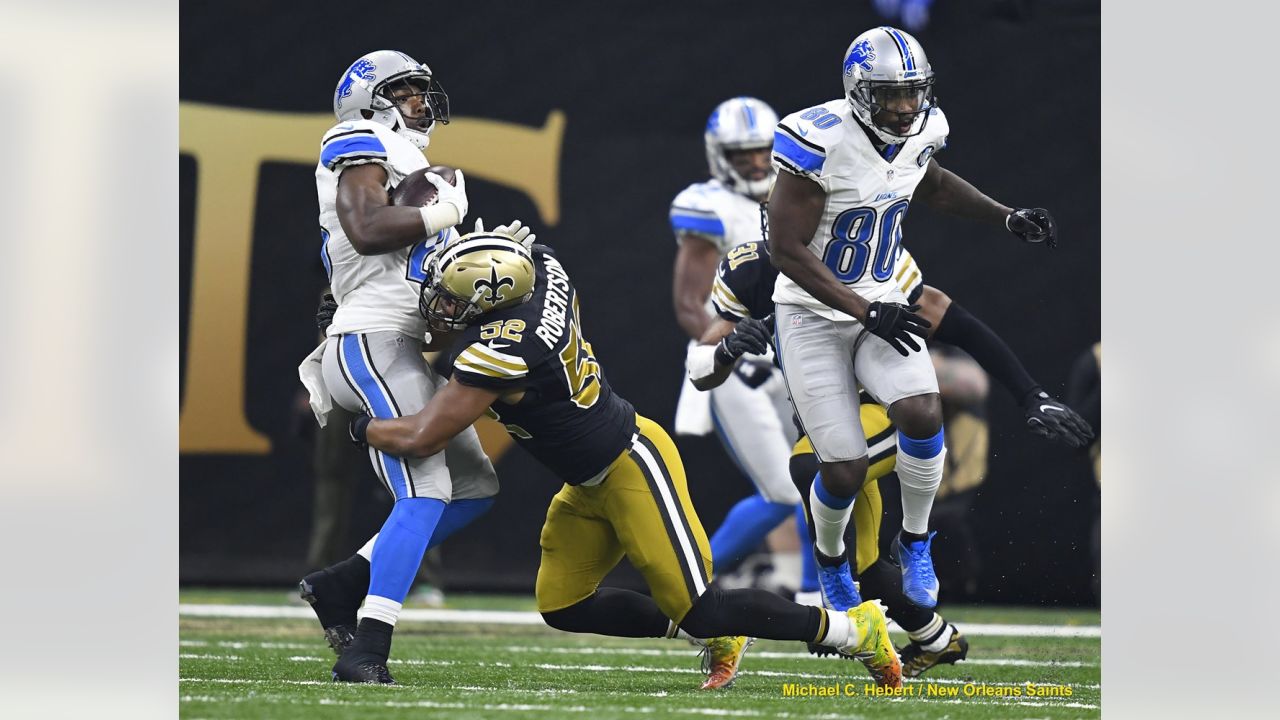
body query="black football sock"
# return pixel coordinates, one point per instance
(752, 612)
(827, 561)
(958, 327)
(373, 637)
(883, 581)
(610, 611)
(339, 589)
(908, 537)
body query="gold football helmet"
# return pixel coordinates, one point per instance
(473, 275)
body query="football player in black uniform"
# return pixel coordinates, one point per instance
(522, 358)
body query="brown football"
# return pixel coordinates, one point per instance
(416, 191)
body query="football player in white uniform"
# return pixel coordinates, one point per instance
(849, 170)
(387, 105)
(750, 411)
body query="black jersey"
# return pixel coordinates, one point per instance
(744, 283)
(569, 418)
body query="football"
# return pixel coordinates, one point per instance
(416, 191)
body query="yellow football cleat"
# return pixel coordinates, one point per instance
(720, 659)
(873, 646)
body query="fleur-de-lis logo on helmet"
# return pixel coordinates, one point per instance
(492, 286)
(475, 274)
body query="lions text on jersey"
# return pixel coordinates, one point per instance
(374, 292)
(568, 417)
(860, 233)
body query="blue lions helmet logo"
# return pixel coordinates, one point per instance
(362, 69)
(714, 120)
(861, 55)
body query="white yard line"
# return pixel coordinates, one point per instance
(512, 617)
(650, 669)
(641, 652)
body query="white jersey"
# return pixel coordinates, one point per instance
(374, 292)
(713, 211)
(860, 233)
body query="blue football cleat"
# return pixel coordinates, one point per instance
(919, 583)
(838, 590)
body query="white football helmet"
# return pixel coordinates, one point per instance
(886, 69)
(743, 123)
(365, 92)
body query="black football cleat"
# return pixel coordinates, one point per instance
(916, 660)
(337, 614)
(362, 668)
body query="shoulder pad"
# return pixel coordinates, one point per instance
(352, 143)
(694, 210)
(803, 139)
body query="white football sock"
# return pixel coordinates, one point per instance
(829, 521)
(918, 479)
(366, 551)
(944, 637)
(380, 608)
(841, 630)
(929, 632)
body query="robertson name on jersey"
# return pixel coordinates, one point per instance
(860, 233)
(568, 418)
(374, 292)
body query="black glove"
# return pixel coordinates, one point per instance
(750, 336)
(1034, 225)
(358, 429)
(1050, 418)
(753, 372)
(324, 313)
(896, 323)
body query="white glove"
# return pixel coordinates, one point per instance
(455, 194)
(516, 230)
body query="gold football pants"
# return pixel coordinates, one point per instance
(641, 510)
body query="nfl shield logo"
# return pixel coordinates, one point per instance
(889, 175)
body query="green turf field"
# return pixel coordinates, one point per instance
(269, 668)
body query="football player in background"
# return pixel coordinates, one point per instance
(750, 410)
(387, 104)
(849, 170)
(521, 357)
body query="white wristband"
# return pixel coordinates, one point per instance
(701, 361)
(439, 216)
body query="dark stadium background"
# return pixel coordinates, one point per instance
(636, 81)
